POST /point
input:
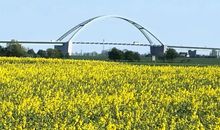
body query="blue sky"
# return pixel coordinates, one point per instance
(175, 22)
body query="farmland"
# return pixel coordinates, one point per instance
(85, 94)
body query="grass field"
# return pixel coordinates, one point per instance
(83, 94)
(148, 61)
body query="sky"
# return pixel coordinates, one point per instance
(174, 22)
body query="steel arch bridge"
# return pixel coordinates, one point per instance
(156, 46)
(67, 47)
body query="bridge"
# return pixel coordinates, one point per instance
(66, 41)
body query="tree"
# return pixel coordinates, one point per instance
(31, 53)
(2, 51)
(65, 56)
(15, 49)
(171, 54)
(42, 53)
(115, 54)
(54, 53)
(50, 53)
(59, 54)
(129, 55)
(137, 56)
(126, 55)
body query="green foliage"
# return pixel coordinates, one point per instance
(66, 56)
(31, 53)
(54, 53)
(51, 53)
(127, 55)
(15, 49)
(42, 53)
(171, 54)
(131, 56)
(137, 56)
(115, 54)
(2, 51)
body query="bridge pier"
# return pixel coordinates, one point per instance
(66, 48)
(218, 54)
(157, 50)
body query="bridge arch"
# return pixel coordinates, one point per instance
(67, 48)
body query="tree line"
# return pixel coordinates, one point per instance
(17, 50)
(14, 49)
(126, 55)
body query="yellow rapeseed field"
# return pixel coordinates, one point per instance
(71, 94)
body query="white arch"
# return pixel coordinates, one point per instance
(75, 30)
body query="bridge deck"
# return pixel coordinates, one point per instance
(107, 43)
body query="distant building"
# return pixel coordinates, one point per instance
(191, 53)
